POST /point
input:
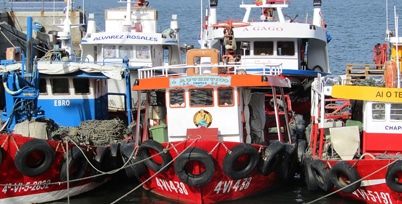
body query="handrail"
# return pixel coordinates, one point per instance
(36, 5)
(204, 69)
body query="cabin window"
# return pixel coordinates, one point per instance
(396, 111)
(81, 85)
(285, 48)
(243, 48)
(166, 54)
(125, 51)
(60, 86)
(225, 96)
(142, 52)
(157, 98)
(42, 86)
(263, 48)
(177, 98)
(109, 51)
(378, 111)
(201, 97)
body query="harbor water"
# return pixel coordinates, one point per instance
(355, 26)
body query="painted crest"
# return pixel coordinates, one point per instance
(202, 118)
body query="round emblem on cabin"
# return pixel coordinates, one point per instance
(202, 118)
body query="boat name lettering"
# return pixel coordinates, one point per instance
(373, 196)
(393, 127)
(389, 94)
(263, 28)
(200, 81)
(128, 36)
(171, 186)
(61, 102)
(25, 187)
(233, 185)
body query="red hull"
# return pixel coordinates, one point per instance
(47, 186)
(373, 187)
(220, 188)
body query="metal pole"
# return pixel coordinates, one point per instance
(201, 20)
(29, 45)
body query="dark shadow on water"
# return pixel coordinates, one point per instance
(115, 189)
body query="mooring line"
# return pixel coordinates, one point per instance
(329, 194)
(156, 173)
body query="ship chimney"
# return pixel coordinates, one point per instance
(91, 28)
(127, 22)
(317, 17)
(175, 26)
(213, 4)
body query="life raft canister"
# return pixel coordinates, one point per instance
(240, 161)
(195, 167)
(393, 177)
(76, 165)
(343, 174)
(34, 157)
(147, 152)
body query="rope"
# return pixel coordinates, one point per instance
(156, 173)
(68, 172)
(9, 41)
(318, 199)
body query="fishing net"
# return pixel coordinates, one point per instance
(94, 132)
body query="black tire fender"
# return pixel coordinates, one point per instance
(36, 150)
(392, 178)
(76, 165)
(286, 169)
(102, 161)
(134, 168)
(273, 155)
(309, 179)
(150, 162)
(199, 155)
(321, 175)
(343, 174)
(231, 159)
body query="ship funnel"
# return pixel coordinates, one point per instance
(317, 3)
(91, 28)
(317, 16)
(213, 3)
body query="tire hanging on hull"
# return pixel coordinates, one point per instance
(345, 177)
(185, 162)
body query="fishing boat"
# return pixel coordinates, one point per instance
(353, 147)
(56, 139)
(267, 36)
(131, 32)
(210, 137)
